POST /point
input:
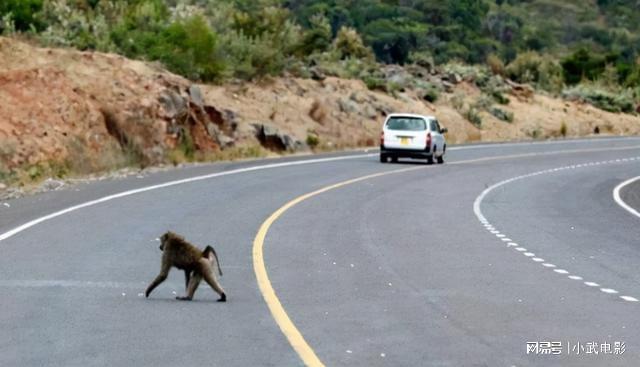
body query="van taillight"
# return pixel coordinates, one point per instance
(382, 138)
(428, 141)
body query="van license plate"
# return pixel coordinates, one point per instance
(404, 141)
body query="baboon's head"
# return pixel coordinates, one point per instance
(168, 236)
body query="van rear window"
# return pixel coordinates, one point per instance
(406, 123)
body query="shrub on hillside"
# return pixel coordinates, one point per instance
(582, 64)
(530, 67)
(317, 38)
(612, 101)
(21, 14)
(73, 27)
(501, 114)
(495, 64)
(186, 46)
(348, 44)
(478, 74)
(473, 116)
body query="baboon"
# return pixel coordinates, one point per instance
(197, 264)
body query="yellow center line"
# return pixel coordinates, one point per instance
(292, 333)
(288, 328)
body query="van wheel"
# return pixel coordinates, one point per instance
(394, 159)
(430, 159)
(441, 159)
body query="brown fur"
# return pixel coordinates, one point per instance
(177, 252)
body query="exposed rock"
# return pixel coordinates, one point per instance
(523, 92)
(370, 112)
(226, 141)
(272, 139)
(347, 105)
(51, 185)
(196, 96)
(173, 104)
(453, 78)
(358, 97)
(317, 74)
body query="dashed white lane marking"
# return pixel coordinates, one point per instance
(503, 237)
(618, 199)
(630, 299)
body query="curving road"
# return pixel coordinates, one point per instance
(454, 265)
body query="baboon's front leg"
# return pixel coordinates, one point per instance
(164, 272)
(191, 288)
(187, 275)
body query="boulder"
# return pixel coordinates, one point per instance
(370, 112)
(347, 105)
(195, 95)
(272, 139)
(173, 104)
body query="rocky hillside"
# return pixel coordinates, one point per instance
(68, 112)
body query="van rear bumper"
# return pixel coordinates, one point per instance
(406, 153)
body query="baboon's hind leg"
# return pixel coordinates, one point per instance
(208, 276)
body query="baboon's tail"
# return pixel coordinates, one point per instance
(206, 252)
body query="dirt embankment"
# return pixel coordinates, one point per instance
(65, 111)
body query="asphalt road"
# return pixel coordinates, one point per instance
(395, 270)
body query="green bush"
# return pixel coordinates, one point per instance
(23, 14)
(430, 94)
(500, 98)
(348, 44)
(501, 114)
(473, 116)
(188, 48)
(530, 67)
(80, 28)
(582, 64)
(374, 83)
(563, 129)
(317, 38)
(313, 140)
(612, 101)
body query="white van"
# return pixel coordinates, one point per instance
(412, 136)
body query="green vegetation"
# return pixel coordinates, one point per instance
(550, 44)
(501, 114)
(313, 140)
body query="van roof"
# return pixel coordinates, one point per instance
(410, 115)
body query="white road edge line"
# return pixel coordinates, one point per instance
(618, 199)
(39, 220)
(616, 194)
(32, 223)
